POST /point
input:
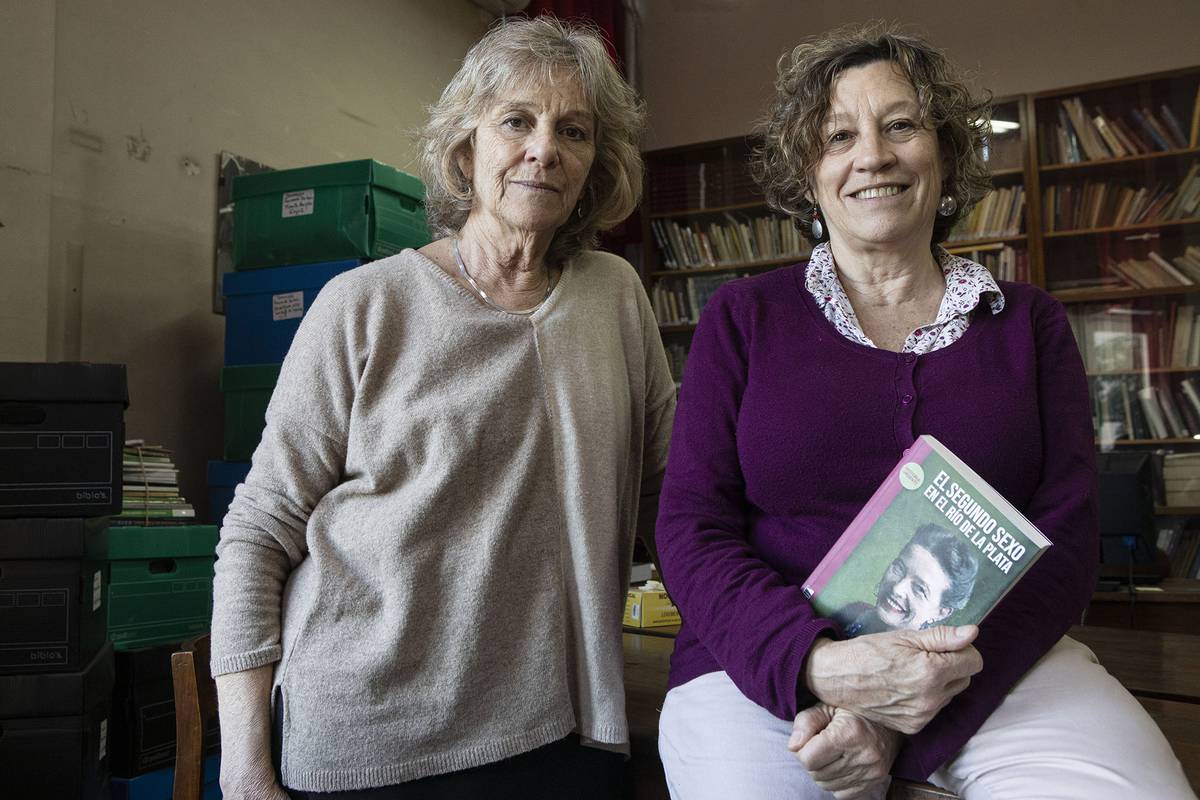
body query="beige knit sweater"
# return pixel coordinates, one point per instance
(435, 535)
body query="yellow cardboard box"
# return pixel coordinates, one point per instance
(649, 606)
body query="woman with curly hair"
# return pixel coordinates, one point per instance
(420, 583)
(804, 386)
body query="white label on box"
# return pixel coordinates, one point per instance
(289, 305)
(97, 590)
(103, 738)
(298, 204)
(636, 613)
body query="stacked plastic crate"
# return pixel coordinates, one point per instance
(61, 431)
(160, 594)
(293, 231)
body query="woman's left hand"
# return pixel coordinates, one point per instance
(845, 754)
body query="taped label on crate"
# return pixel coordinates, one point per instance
(97, 590)
(289, 305)
(298, 204)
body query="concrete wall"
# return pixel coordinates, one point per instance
(108, 144)
(26, 159)
(708, 65)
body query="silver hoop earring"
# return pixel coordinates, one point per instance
(947, 206)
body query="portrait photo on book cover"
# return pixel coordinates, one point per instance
(931, 577)
(935, 545)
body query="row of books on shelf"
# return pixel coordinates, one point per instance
(150, 493)
(1006, 263)
(1124, 338)
(1000, 213)
(1080, 135)
(676, 358)
(679, 301)
(1101, 204)
(1131, 407)
(1181, 546)
(734, 241)
(678, 187)
(1156, 272)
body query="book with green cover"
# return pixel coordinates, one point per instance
(935, 545)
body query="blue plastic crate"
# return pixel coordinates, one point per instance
(223, 478)
(157, 785)
(263, 308)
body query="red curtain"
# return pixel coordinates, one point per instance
(608, 15)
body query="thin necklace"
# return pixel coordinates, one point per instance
(462, 269)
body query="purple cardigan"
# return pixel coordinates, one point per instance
(785, 428)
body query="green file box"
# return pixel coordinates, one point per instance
(354, 209)
(160, 584)
(247, 391)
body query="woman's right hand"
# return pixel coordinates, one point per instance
(899, 679)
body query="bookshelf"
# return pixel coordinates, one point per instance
(704, 223)
(1118, 179)
(1096, 198)
(996, 234)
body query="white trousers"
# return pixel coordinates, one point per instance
(1068, 729)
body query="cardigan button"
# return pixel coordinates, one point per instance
(906, 399)
(910, 358)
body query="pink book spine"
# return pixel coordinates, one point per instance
(862, 523)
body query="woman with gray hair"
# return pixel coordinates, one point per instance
(420, 584)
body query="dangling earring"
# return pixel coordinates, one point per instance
(947, 206)
(591, 199)
(818, 229)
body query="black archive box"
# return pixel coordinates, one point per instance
(62, 427)
(142, 735)
(53, 593)
(54, 732)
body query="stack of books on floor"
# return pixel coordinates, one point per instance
(295, 230)
(150, 491)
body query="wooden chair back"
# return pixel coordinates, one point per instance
(195, 706)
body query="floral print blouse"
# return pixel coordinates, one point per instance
(967, 285)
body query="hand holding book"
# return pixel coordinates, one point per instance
(900, 679)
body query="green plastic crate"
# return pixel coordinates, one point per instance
(354, 209)
(160, 585)
(247, 392)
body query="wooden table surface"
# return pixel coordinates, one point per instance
(1149, 664)
(1172, 606)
